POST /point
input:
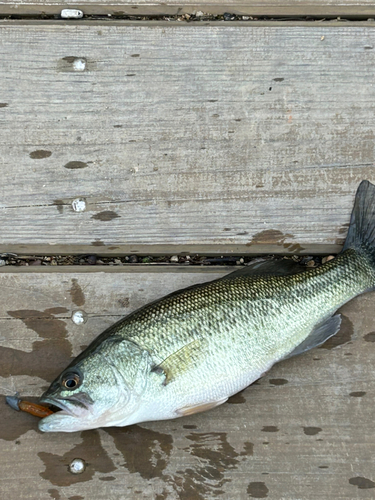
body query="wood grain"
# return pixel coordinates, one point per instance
(221, 138)
(305, 430)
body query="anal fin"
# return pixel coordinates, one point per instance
(318, 335)
(191, 410)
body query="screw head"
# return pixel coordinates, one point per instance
(79, 64)
(77, 466)
(79, 205)
(79, 317)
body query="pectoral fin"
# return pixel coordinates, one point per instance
(190, 410)
(318, 336)
(181, 360)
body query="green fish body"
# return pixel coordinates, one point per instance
(191, 350)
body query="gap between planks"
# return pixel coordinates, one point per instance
(321, 8)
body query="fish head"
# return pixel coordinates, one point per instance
(100, 388)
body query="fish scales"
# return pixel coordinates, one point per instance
(191, 350)
(219, 311)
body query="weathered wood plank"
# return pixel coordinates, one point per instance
(217, 137)
(305, 430)
(315, 8)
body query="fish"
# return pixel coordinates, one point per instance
(191, 350)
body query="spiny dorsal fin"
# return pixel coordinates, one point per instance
(318, 336)
(281, 267)
(181, 360)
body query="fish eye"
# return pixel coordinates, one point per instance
(71, 380)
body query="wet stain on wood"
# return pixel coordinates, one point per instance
(76, 497)
(357, 394)
(107, 478)
(270, 236)
(90, 450)
(39, 154)
(49, 356)
(156, 450)
(270, 428)
(343, 336)
(97, 243)
(369, 337)
(3, 104)
(293, 247)
(257, 490)
(311, 431)
(189, 426)
(362, 482)
(161, 496)
(237, 399)
(72, 165)
(216, 456)
(278, 79)
(124, 302)
(278, 381)
(59, 205)
(107, 215)
(54, 494)
(76, 293)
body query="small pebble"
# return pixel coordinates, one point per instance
(35, 262)
(71, 14)
(327, 259)
(118, 262)
(133, 259)
(199, 13)
(3, 262)
(100, 262)
(91, 259)
(229, 17)
(311, 263)
(174, 258)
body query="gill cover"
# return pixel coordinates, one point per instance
(102, 389)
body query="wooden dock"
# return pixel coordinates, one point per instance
(151, 137)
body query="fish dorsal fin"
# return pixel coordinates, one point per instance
(318, 336)
(181, 360)
(282, 267)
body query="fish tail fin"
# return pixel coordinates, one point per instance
(361, 234)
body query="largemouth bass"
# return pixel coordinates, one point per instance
(191, 350)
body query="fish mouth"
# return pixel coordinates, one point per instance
(58, 405)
